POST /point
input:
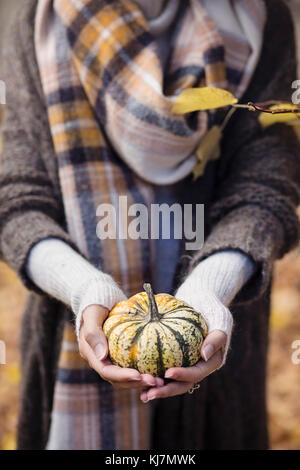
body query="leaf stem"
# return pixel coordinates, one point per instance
(259, 107)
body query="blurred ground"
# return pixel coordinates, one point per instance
(12, 297)
(283, 376)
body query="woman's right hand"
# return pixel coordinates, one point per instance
(93, 348)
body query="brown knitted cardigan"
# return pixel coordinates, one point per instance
(254, 191)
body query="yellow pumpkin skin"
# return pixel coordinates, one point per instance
(151, 339)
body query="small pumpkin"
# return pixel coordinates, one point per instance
(152, 333)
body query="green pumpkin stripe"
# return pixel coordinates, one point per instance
(139, 308)
(134, 342)
(189, 320)
(184, 345)
(120, 323)
(160, 361)
(184, 308)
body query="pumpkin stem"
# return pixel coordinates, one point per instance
(154, 315)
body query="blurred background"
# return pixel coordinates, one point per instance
(283, 375)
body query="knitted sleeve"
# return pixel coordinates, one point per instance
(254, 209)
(30, 207)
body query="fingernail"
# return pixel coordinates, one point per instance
(100, 351)
(151, 398)
(208, 352)
(169, 374)
(149, 382)
(136, 379)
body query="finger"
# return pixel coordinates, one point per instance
(129, 385)
(169, 390)
(114, 373)
(213, 342)
(141, 385)
(106, 369)
(197, 372)
(110, 373)
(145, 383)
(159, 382)
(93, 318)
(88, 354)
(148, 380)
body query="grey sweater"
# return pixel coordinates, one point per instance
(251, 197)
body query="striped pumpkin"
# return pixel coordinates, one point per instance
(153, 333)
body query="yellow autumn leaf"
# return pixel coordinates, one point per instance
(292, 119)
(279, 319)
(8, 442)
(7, 275)
(202, 99)
(209, 149)
(12, 374)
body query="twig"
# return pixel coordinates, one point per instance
(260, 108)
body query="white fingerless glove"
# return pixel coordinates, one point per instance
(99, 290)
(65, 275)
(212, 285)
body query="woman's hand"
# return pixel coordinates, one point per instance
(93, 348)
(184, 378)
(214, 349)
(209, 289)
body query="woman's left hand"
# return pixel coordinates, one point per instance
(184, 378)
(201, 298)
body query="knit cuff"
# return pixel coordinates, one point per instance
(218, 317)
(253, 231)
(101, 290)
(223, 273)
(214, 312)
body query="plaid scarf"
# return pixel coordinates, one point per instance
(105, 51)
(109, 108)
